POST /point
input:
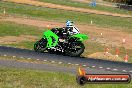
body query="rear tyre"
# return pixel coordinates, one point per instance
(36, 47)
(75, 49)
(40, 45)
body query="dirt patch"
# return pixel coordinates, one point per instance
(84, 1)
(109, 56)
(69, 8)
(32, 22)
(16, 39)
(110, 37)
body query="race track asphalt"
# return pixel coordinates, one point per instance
(93, 65)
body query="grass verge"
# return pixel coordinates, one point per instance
(123, 24)
(94, 47)
(87, 5)
(17, 78)
(13, 29)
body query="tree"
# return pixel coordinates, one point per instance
(128, 2)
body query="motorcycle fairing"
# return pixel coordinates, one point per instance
(81, 37)
(51, 37)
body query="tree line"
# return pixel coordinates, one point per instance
(128, 2)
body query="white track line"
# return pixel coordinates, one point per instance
(21, 57)
(84, 65)
(108, 68)
(45, 60)
(100, 67)
(60, 62)
(28, 58)
(52, 61)
(77, 64)
(115, 69)
(124, 70)
(130, 71)
(68, 63)
(13, 56)
(5, 55)
(93, 66)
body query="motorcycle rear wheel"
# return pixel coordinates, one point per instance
(36, 48)
(38, 45)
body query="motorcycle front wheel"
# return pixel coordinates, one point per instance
(75, 49)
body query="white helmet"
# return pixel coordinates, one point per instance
(69, 23)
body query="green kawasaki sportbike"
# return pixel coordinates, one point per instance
(71, 44)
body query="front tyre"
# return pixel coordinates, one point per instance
(75, 49)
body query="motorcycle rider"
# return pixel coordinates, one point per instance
(64, 32)
(70, 27)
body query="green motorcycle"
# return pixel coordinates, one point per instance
(71, 46)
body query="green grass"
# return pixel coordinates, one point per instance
(13, 29)
(24, 78)
(92, 47)
(123, 24)
(23, 44)
(87, 5)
